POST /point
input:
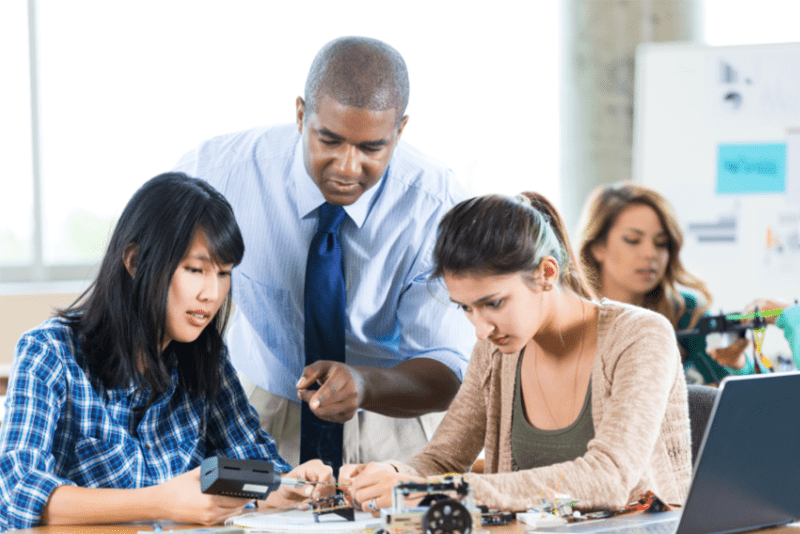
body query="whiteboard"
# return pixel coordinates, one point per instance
(717, 131)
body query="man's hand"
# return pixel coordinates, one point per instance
(409, 389)
(340, 394)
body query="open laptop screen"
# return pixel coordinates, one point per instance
(747, 474)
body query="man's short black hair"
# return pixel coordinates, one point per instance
(359, 72)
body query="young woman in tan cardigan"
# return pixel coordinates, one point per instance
(563, 392)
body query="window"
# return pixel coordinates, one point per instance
(742, 22)
(16, 200)
(124, 88)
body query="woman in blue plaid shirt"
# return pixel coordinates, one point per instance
(113, 404)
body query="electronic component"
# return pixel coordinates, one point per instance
(440, 513)
(339, 504)
(561, 505)
(731, 328)
(249, 479)
(724, 323)
(491, 518)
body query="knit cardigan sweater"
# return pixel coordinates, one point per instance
(639, 408)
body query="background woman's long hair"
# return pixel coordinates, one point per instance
(602, 210)
(122, 318)
(496, 234)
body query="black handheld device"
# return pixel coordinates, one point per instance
(249, 479)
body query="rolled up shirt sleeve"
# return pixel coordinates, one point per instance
(433, 327)
(34, 402)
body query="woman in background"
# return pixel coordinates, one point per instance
(113, 404)
(630, 252)
(563, 393)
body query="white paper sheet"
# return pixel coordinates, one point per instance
(302, 521)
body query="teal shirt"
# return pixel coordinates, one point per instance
(694, 347)
(789, 322)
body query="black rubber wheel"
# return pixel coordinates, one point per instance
(432, 498)
(447, 517)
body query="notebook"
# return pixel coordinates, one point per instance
(747, 473)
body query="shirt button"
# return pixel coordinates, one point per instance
(147, 446)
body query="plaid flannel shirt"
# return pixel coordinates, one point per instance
(63, 427)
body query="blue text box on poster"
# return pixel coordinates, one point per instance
(751, 168)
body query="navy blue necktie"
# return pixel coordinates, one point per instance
(324, 330)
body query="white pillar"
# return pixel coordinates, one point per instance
(599, 45)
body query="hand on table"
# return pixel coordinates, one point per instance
(311, 471)
(183, 501)
(365, 482)
(340, 394)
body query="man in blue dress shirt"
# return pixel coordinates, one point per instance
(406, 347)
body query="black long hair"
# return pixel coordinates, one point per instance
(122, 317)
(495, 234)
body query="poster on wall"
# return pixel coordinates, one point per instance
(711, 228)
(780, 248)
(718, 133)
(793, 166)
(753, 85)
(751, 168)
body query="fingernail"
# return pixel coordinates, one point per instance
(299, 382)
(315, 404)
(308, 490)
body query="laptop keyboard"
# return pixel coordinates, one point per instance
(661, 523)
(664, 527)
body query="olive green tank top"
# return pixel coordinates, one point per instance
(532, 447)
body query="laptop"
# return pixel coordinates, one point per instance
(747, 473)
